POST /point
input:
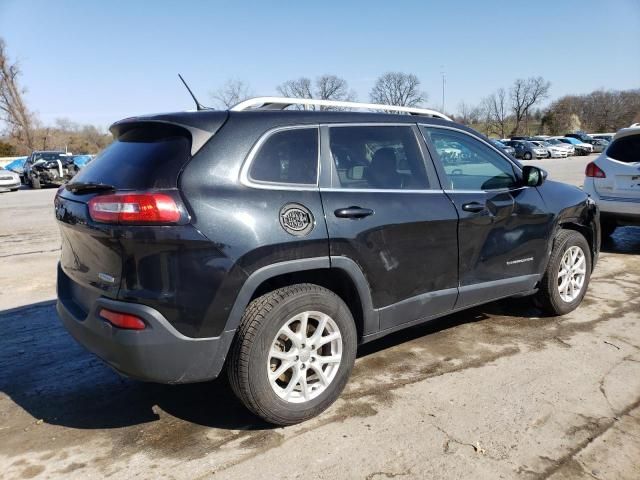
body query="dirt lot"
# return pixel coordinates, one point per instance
(493, 392)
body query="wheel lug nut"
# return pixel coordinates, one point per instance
(302, 366)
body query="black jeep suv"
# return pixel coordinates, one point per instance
(273, 242)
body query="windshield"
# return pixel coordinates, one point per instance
(498, 144)
(572, 141)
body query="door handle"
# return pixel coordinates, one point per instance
(473, 207)
(353, 212)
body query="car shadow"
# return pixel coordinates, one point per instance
(49, 375)
(625, 240)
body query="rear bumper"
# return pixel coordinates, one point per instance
(159, 353)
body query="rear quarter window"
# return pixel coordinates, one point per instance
(287, 157)
(625, 149)
(142, 158)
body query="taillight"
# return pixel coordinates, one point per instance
(123, 320)
(594, 170)
(134, 208)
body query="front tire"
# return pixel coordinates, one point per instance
(293, 353)
(35, 183)
(566, 279)
(527, 156)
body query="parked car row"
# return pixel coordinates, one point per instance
(544, 146)
(42, 168)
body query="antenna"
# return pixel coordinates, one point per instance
(199, 106)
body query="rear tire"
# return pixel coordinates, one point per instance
(565, 283)
(271, 339)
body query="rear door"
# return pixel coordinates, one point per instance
(386, 211)
(622, 167)
(503, 226)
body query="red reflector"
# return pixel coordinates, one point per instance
(122, 320)
(134, 208)
(594, 170)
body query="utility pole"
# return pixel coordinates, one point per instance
(444, 77)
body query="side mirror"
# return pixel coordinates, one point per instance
(533, 176)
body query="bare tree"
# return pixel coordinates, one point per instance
(327, 87)
(524, 95)
(598, 111)
(300, 88)
(397, 88)
(468, 114)
(232, 92)
(497, 111)
(13, 110)
(332, 87)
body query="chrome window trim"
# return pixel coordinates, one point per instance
(410, 125)
(247, 181)
(377, 190)
(369, 124)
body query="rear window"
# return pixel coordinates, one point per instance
(142, 158)
(625, 149)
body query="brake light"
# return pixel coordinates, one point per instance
(134, 208)
(123, 320)
(594, 170)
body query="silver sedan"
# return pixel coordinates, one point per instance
(9, 180)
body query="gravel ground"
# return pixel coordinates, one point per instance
(492, 392)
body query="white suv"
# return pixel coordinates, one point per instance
(613, 181)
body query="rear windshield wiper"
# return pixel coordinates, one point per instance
(83, 187)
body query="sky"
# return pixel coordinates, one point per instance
(98, 61)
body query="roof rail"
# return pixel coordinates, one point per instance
(280, 103)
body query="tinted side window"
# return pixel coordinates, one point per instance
(625, 149)
(288, 156)
(377, 157)
(470, 164)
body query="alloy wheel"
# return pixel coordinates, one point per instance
(304, 356)
(571, 275)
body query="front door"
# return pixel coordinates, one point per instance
(503, 226)
(386, 211)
